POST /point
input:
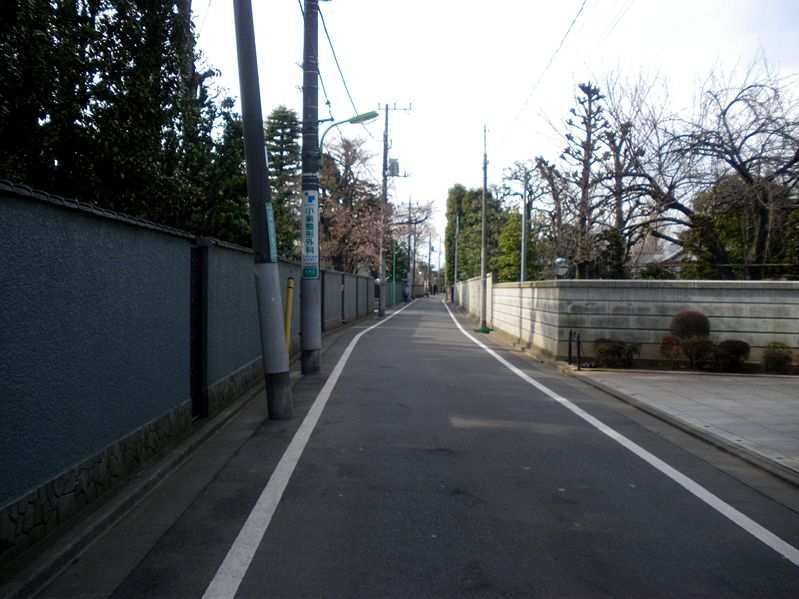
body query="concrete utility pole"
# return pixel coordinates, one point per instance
(523, 275)
(415, 251)
(310, 291)
(411, 276)
(455, 265)
(429, 264)
(381, 306)
(412, 222)
(262, 221)
(438, 274)
(483, 252)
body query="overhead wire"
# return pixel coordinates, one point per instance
(340, 72)
(544, 72)
(619, 16)
(205, 16)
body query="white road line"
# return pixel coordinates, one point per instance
(756, 530)
(235, 565)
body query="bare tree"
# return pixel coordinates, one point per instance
(750, 129)
(629, 108)
(351, 219)
(585, 139)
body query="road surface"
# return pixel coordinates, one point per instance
(424, 465)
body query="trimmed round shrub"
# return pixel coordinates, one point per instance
(690, 323)
(700, 352)
(777, 357)
(670, 348)
(731, 354)
(612, 353)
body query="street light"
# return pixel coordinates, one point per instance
(358, 118)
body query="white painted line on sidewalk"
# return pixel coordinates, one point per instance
(235, 565)
(764, 535)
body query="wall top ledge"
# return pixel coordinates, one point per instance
(23, 192)
(652, 284)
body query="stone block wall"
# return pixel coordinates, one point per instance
(114, 334)
(540, 314)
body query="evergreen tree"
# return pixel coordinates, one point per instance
(469, 205)
(282, 133)
(510, 251)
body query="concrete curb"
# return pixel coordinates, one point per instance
(751, 455)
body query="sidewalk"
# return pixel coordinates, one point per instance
(753, 416)
(219, 436)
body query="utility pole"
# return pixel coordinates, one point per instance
(262, 222)
(415, 249)
(410, 247)
(381, 306)
(412, 222)
(438, 275)
(429, 264)
(523, 276)
(455, 274)
(310, 291)
(483, 252)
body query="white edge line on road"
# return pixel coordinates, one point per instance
(235, 565)
(785, 549)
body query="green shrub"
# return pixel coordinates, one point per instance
(731, 355)
(612, 353)
(777, 357)
(690, 323)
(700, 352)
(670, 349)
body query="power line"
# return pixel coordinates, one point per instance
(544, 72)
(619, 16)
(335, 59)
(340, 72)
(205, 16)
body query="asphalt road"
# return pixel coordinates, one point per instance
(436, 471)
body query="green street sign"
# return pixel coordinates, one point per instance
(310, 272)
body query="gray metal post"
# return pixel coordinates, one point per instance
(310, 295)
(483, 250)
(262, 222)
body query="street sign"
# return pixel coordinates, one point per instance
(310, 235)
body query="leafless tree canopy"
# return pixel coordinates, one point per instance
(633, 170)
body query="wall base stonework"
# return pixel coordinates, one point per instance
(36, 515)
(221, 393)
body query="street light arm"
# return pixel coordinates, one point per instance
(358, 118)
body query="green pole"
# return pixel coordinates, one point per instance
(394, 269)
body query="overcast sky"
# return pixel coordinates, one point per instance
(462, 65)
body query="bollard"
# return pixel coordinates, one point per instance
(571, 333)
(287, 313)
(579, 349)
